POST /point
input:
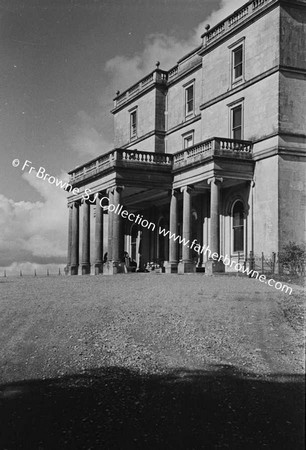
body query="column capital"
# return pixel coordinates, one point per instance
(173, 192)
(70, 205)
(83, 201)
(215, 180)
(112, 189)
(188, 189)
(118, 188)
(100, 195)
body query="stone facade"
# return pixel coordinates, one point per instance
(212, 150)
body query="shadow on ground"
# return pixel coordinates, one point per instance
(116, 408)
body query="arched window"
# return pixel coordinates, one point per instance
(238, 226)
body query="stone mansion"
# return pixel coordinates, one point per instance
(212, 150)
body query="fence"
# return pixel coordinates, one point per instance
(272, 264)
(35, 273)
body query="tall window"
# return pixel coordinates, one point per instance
(133, 124)
(236, 121)
(189, 100)
(188, 140)
(238, 227)
(237, 63)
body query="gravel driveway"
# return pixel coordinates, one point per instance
(149, 361)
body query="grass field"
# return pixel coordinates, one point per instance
(150, 361)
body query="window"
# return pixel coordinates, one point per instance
(236, 122)
(238, 227)
(133, 124)
(237, 63)
(189, 100)
(188, 140)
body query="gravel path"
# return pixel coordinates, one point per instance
(149, 361)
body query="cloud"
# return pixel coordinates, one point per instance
(34, 232)
(89, 136)
(157, 47)
(165, 48)
(226, 8)
(86, 137)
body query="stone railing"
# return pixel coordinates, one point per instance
(172, 72)
(232, 21)
(213, 147)
(158, 76)
(238, 16)
(119, 157)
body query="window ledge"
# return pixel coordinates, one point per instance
(237, 82)
(189, 116)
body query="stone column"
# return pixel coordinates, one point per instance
(75, 240)
(69, 236)
(117, 222)
(98, 238)
(110, 226)
(213, 265)
(114, 229)
(186, 265)
(86, 239)
(171, 267)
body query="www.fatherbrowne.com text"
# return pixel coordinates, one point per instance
(138, 219)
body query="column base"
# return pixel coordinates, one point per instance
(85, 269)
(98, 268)
(170, 267)
(114, 267)
(74, 270)
(212, 267)
(186, 267)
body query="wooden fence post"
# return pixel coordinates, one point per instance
(252, 261)
(273, 262)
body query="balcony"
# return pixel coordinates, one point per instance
(220, 147)
(164, 162)
(158, 76)
(120, 158)
(249, 10)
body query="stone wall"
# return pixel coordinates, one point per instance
(260, 111)
(293, 36)
(175, 114)
(266, 217)
(261, 42)
(146, 107)
(292, 200)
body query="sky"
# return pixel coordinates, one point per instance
(61, 62)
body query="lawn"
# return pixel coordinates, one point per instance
(150, 361)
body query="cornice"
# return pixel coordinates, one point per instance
(184, 124)
(145, 136)
(240, 88)
(143, 91)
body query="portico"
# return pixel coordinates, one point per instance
(188, 196)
